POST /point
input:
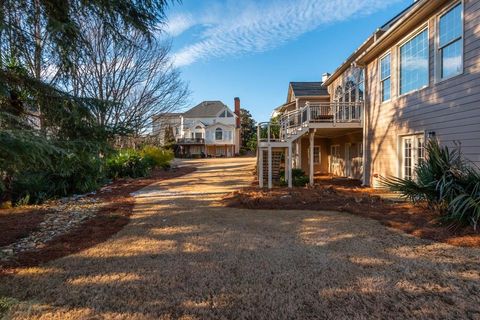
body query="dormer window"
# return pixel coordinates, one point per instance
(218, 134)
(226, 114)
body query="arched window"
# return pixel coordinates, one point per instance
(338, 93)
(338, 97)
(218, 134)
(350, 94)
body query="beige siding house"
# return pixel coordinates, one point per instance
(416, 78)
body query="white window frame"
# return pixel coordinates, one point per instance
(380, 76)
(415, 152)
(334, 157)
(319, 153)
(438, 56)
(216, 134)
(400, 44)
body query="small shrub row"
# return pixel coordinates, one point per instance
(77, 169)
(133, 164)
(299, 178)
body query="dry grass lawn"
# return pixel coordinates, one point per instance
(183, 256)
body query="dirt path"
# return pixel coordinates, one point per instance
(183, 256)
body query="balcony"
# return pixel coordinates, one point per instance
(191, 141)
(324, 115)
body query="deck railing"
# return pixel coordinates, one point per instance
(191, 141)
(312, 112)
(321, 112)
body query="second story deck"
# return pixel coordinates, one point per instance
(319, 115)
(324, 115)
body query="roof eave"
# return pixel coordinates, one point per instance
(344, 66)
(412, 18)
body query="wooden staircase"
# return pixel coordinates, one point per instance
(276, 164)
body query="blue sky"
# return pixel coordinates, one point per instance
(253, 48)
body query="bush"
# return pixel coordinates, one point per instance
(446, 182)
(299, 179)
(78, 171)
(128, 163)
(159, 157)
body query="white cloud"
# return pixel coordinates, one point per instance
(179, 24)
(248, 26)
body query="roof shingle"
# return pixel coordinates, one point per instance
(308, 89)
(205, 109)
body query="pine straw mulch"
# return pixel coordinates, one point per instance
(349, 196)
(16, 223)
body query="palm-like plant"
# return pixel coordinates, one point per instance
(446, 182)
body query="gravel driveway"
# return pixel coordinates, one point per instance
(184, 256)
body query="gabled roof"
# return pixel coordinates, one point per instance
(308, 89)
(205, 109)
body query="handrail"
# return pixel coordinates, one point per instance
(334, 112)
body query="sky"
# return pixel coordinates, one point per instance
(252, 49)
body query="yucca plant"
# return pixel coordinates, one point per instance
(446, 182)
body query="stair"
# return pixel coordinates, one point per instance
(276, 160)
(277, 155)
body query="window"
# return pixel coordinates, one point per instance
(407, 158)
(339, 98)
(338, 93)
(335, 152)
(228, 135)
(361, 85)
(198, 135)
(420, 149)
(229, 114)
(413, 153)
(218, 134)
(385, 74)
(414, 63)
(450, 42)
(316, 155)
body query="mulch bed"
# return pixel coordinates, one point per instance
(16, 223)
(111, 218)
(348, 196)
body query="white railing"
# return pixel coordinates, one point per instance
(332, 112)
(269, 132)
(317, 112)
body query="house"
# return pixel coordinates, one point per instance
(415, 78)
(209, 129)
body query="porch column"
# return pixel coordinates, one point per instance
(296, 154)
(299, 153)
(311, 157)
(260, 167)
(289, 166)
(270, 167)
